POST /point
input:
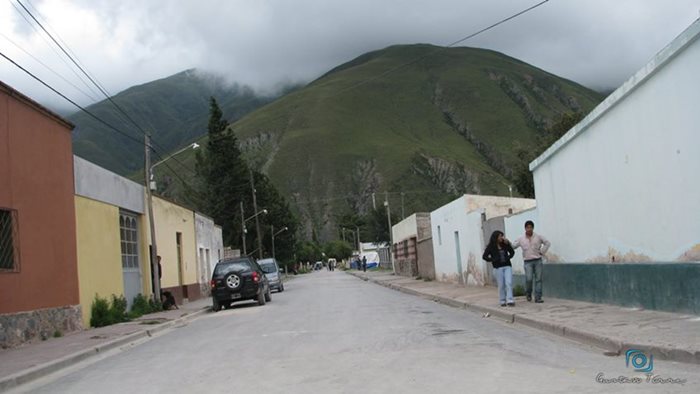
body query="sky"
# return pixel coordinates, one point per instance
(267, 43)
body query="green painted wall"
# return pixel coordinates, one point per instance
(673, 287)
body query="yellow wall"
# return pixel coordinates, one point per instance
(171, 219)
(99, 252)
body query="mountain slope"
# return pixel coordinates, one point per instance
(174, 109)
(448, 124)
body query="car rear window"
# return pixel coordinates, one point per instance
(223, 268)
(268, 268)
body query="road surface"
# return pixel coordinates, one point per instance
(330, 332)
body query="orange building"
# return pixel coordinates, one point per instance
(38, 265)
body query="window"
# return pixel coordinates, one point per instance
(128, 231)
(9, 251)
(439, 236)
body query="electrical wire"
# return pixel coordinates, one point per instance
(432, 53)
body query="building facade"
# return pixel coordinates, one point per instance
(458, 236)
(413, 249)
(210, 249)
(113, 257)
(38, 272)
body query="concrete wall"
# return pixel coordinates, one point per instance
(99, 252)
(660, 286)
(36, 182)
(623, 183)
(426, 261)
(209, 248)
(466, 216)
(40, 293)
(452, 225)
(515, 228)
(180, 279)
(405, 229)
(103, 185)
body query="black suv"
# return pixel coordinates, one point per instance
(237, 280)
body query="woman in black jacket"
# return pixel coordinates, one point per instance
(499, 252)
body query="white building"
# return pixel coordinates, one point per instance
(623, 185)
(210, 248)
(458, 236)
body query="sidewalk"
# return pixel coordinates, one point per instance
(32, 361)
(668, 336)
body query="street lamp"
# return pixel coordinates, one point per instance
(244, 221)
(152, 183)
(274, 234)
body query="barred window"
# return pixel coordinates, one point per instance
(9, 251)
(128, 229)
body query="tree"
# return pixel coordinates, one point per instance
(338, 249)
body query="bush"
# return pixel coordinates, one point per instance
(518, 291)
(139, 307)
(155, 305)
(99, 312)
(117, 310)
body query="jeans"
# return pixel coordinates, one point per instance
(504, 277)
(533, 270)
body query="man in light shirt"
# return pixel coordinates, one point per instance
(534, 247)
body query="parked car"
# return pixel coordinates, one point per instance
(318, 266)
(238, 279)
(272, 271)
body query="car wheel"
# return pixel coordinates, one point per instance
(281, 289)
(268, 295)
(215, 305)
(233, 281)
(261, 298)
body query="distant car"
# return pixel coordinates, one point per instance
(318, 266)
(238, 279)
(272, 271)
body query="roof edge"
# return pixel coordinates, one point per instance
(668, 53)
(12, 92)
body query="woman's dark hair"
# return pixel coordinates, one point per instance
(493, 242)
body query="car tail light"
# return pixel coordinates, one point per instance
(213, 283)
(256, 278)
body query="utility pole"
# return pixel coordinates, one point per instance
(374, 202)
(243, 228)
(391, 237)
(272, 232)
(255, 208)
(403, 214)
(155, 271)
(359, 246)
(343, 233)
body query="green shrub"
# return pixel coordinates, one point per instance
(117, 311)
(57, 334)
(139, 307)
(155, 305)
(99, 312)
(518, 291)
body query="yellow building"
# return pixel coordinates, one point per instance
(175, 234)
(111, 236)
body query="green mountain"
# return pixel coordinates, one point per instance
(426, 132)
(174, 109)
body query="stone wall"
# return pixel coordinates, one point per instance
(23, 327)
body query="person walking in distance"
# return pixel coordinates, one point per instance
(364, 263)
(499, 252)
(534, 247)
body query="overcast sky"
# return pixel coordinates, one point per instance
(598, 43)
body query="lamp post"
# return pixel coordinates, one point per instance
(151, 186)
(243, 222)
(391, 236)
(274, 234)
(152, 181)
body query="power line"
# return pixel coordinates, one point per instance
(394, 69)
(97, 118)
(99, 87)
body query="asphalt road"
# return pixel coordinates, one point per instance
(332, 333)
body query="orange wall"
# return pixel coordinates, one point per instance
(36, 180)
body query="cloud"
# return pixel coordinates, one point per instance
(261, 43)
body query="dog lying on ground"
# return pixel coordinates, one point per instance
(168, 301)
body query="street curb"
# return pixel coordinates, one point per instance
(38, 371)
(608, 344)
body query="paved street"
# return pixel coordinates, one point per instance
(330, 332)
